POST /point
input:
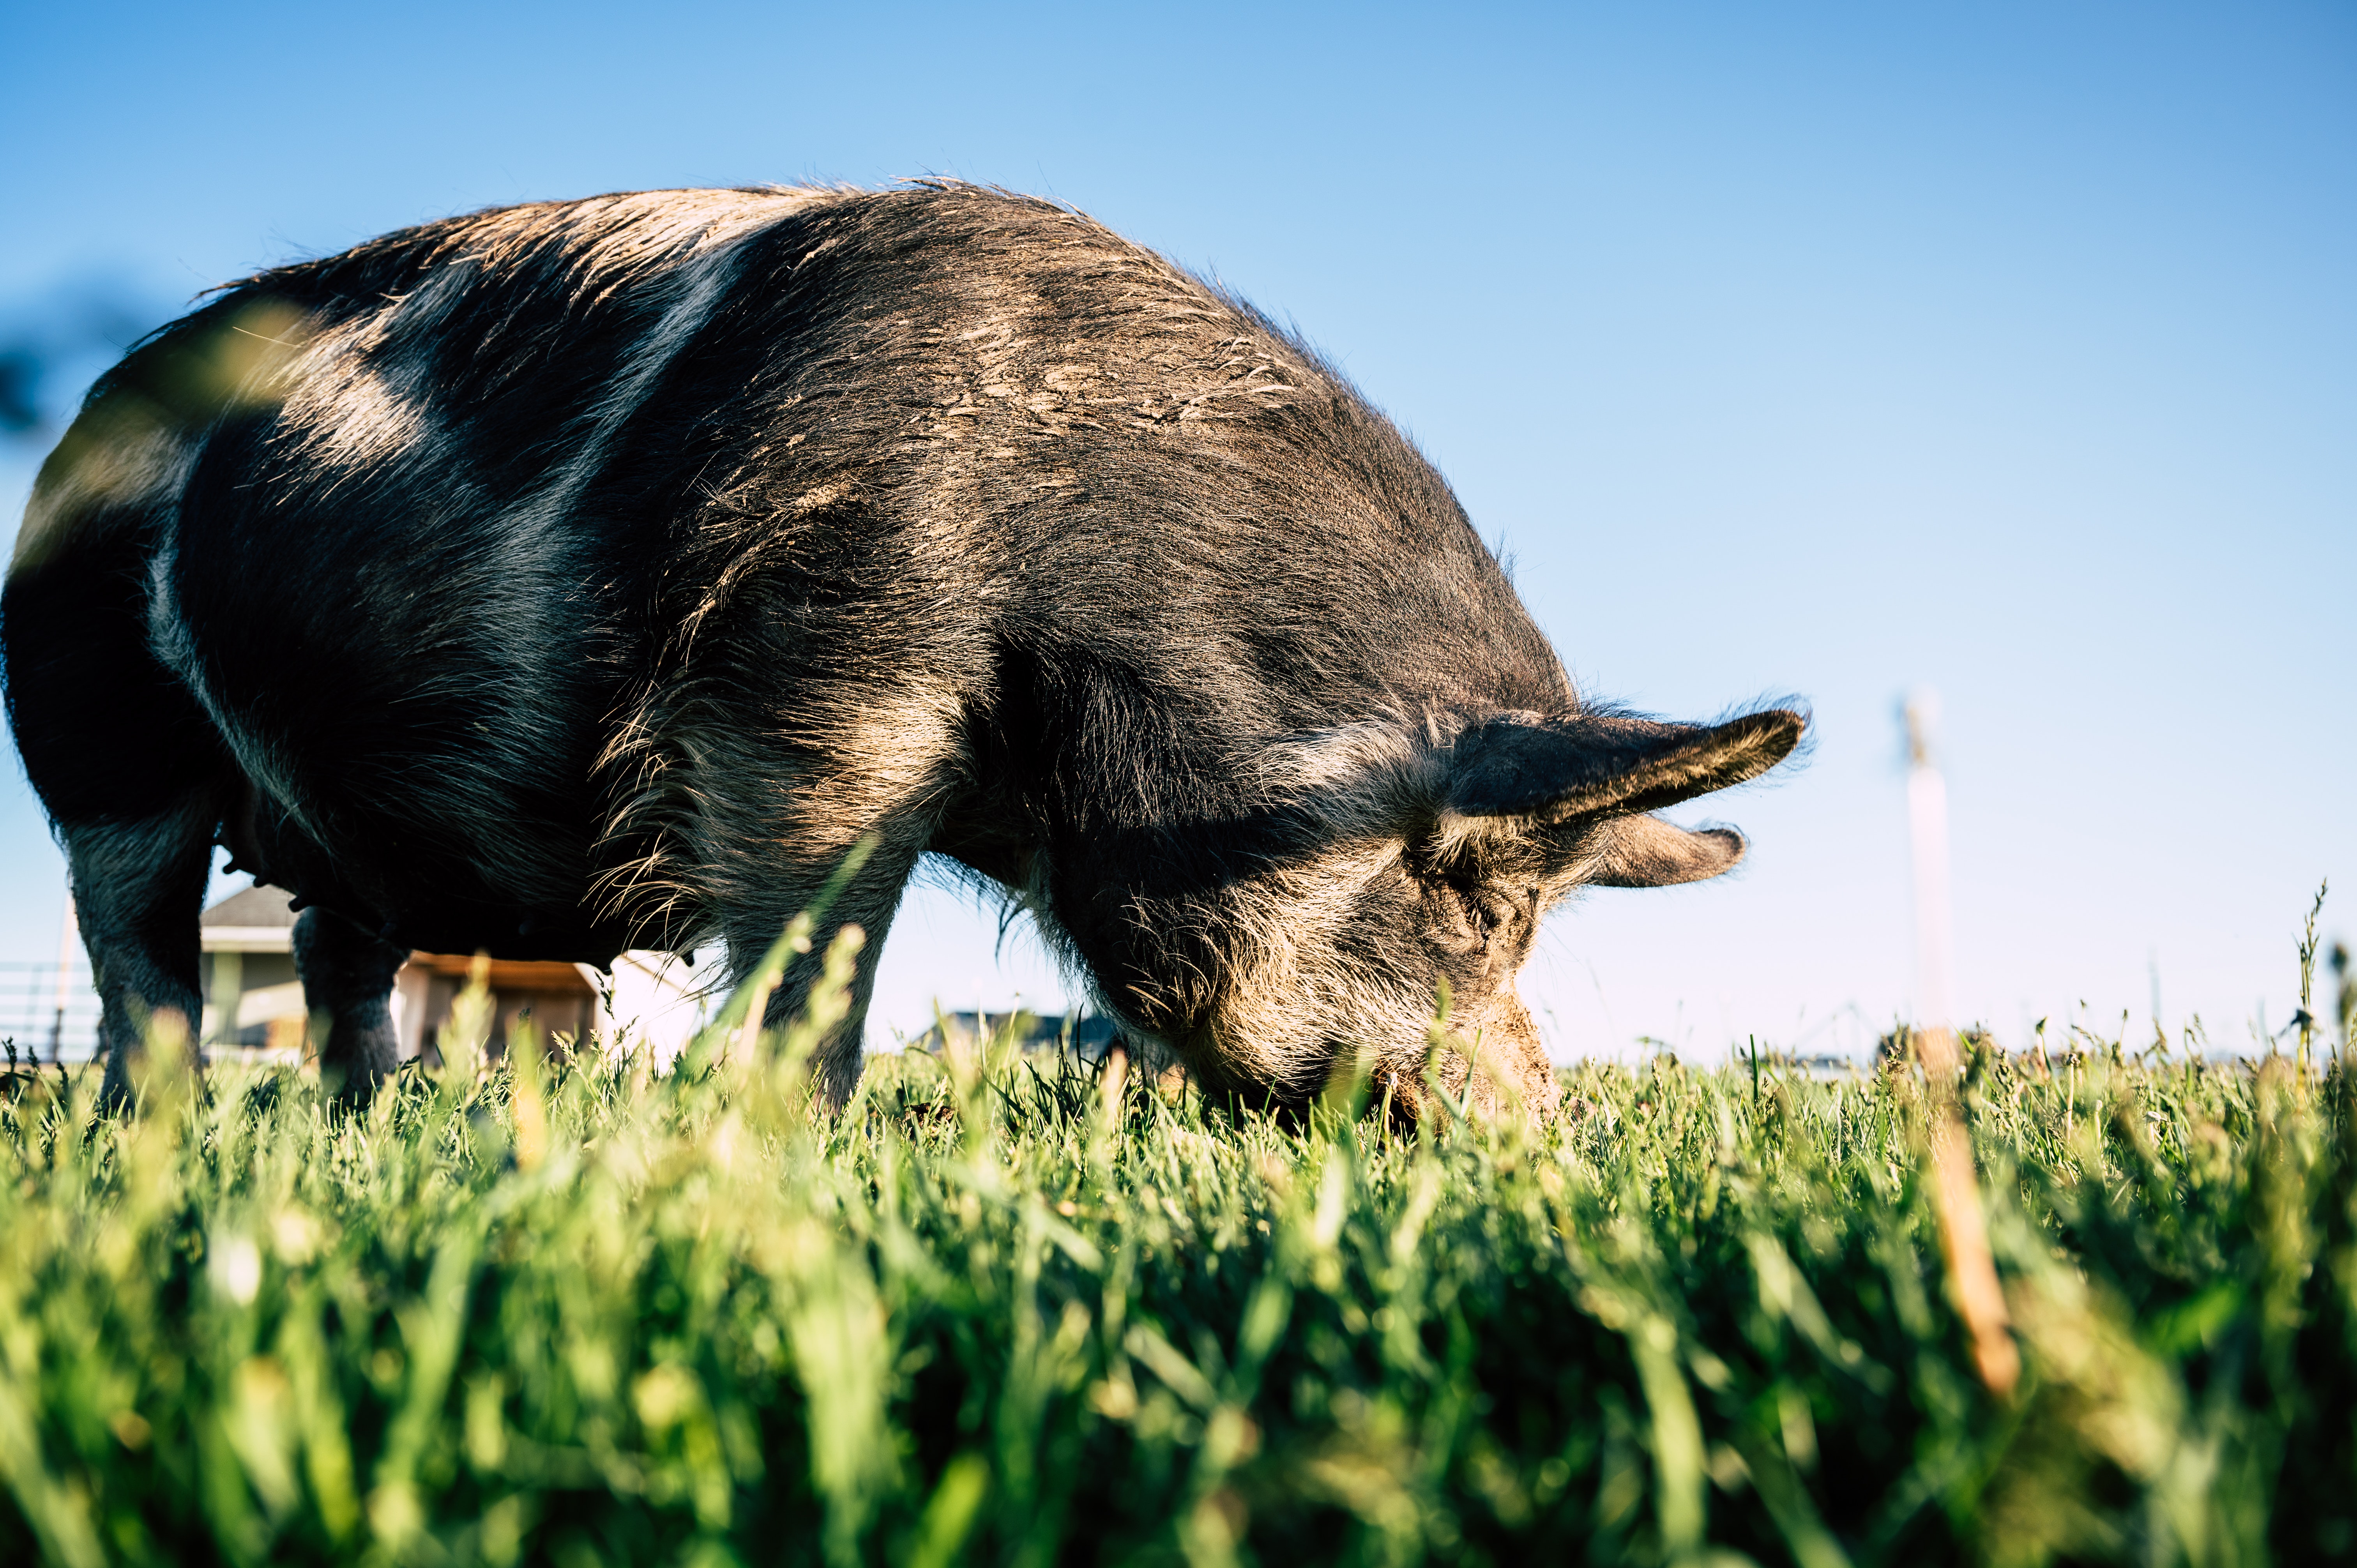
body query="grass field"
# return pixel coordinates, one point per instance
(1013, 1311)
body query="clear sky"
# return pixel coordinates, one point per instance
(2006, 349)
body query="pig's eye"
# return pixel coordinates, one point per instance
(1483, 909)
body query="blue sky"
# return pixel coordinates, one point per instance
(1832, 349)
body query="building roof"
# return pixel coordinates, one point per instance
(257, 906)
(256, 920)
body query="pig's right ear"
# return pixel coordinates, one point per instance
(1551, 770)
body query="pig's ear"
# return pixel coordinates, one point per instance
(1603, 765)
(1646, 852)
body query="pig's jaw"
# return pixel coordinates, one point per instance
(1269, 986)
(1502, 1056)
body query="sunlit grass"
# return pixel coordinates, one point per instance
(1012, 1310)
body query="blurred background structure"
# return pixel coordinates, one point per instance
(1822, 348)
(254, 1002)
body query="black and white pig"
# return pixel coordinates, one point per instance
(594, 574)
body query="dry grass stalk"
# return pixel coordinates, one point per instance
(1964, 1228)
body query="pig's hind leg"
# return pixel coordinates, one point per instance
(131, 771)
(139, 887)
(347, 976)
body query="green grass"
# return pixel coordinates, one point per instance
(996, 1315)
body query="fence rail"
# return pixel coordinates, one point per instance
(45, 1020)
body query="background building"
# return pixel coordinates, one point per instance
(253, 998)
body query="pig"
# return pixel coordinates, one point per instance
(595, 574)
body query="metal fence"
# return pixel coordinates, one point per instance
(49, 1010)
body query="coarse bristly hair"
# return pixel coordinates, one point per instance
(594, 573)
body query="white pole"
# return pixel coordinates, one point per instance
(1927, 816)
(66, 934)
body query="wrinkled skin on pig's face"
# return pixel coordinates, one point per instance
(1386, 932)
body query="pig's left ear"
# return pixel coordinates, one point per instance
(1553, 770)
(1646, 852)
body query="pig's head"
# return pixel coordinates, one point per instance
(1397, 864)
